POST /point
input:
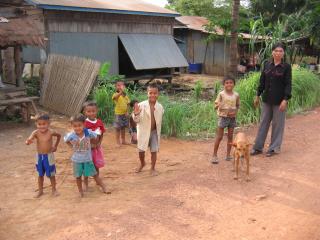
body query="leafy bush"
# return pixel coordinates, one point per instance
(105, 78)
(32, 86)
(305, 91)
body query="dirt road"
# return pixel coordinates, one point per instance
(190, 199)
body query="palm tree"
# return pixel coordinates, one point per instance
(234, 38)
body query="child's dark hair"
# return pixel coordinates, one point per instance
(120, 81)
(278, 45)
(42, 116)
(89, 104)
(133, 102)
(78, 118)
(226, 78)
(153, 85)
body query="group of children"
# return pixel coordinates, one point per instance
(86, 138)
(145, 129)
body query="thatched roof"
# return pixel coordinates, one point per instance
(26, 30)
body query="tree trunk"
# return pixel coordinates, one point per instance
(204, 59)
(1, 71)
(8, 66)
(224, 54)
(31, 70)
(1, 68)
(234, 38)
(18, 65)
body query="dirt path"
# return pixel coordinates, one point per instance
(190, 199)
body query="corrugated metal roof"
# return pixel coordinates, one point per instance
(199, 24)
(22, 31)
(111, 6)
(196, 23)
(149, 51)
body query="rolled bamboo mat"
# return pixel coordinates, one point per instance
(67, 83)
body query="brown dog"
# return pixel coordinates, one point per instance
(241, 149)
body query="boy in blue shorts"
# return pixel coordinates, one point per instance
(45, 164)
(79, 140)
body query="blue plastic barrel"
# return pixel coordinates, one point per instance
(195, 67)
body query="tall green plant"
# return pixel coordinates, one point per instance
(286, 29)
(103, 97)
(105, 78)
(197, 90)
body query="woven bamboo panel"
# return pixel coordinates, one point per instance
(67, 83)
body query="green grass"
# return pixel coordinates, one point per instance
(191, 117)
(32, 86)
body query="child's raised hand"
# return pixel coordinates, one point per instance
(136, 109)
(29, 141)
(98, 131)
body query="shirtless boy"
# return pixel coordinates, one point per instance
(45, 164)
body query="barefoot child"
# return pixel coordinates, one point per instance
(227, 105)
(121, 101)
(133, 124)
(96, 125)
(148, 116)
(79, 140)
(45, 159)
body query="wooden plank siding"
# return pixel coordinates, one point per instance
(58, 21)
(213, 60)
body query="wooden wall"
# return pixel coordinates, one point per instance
(212, 60)
(59, 21)
(95, 35)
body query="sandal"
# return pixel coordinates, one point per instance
(270, 153)
(255, 152)
(228, 158)
(214, 160)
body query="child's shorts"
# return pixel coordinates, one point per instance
(46, 165)
(153, 142)
(86, 169)
(227, 122)
(133, 130)
(120, 121)
(97, 157)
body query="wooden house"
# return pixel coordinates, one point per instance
(136, 37)
(191, 36)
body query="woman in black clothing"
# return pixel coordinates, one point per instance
(275, 88)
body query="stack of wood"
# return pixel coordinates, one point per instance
(15, 102)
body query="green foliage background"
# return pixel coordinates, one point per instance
(191, 117)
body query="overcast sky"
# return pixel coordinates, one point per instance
(161, 3)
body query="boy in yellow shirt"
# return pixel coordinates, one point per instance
(121, 101)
